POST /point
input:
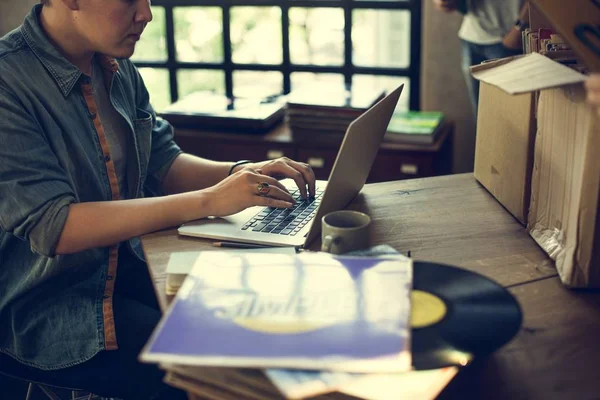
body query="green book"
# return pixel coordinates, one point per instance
(414, 126)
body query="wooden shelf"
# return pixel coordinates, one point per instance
(394, 161)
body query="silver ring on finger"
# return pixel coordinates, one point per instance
(263, 188)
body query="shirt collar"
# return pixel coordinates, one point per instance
(64, 73)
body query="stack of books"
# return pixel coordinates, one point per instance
(292, 326)
(418, 127)
(317, 110)
(208, 110)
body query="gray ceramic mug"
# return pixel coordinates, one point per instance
(343, 231)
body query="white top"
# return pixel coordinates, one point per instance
(487, 21)
(472, 32)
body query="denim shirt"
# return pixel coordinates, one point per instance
(56, 310)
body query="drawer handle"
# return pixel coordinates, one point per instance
(409, 169)
(273, 154)
(316, 162)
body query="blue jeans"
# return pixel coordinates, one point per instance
(116, 373)
(473, 54)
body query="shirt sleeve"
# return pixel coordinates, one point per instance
(35, 192)
(164, 150)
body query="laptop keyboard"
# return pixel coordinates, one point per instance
(286, 221)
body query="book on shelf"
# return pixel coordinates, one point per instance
(343, 99)
(419, 127)
(552, 45)
(303, 311)
(313, 110)
(208, 110)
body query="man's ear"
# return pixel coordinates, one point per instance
(72, 5)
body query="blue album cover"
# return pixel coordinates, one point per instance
(304, 311)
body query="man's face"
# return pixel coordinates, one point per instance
(113, 27)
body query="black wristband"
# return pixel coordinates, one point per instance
(521, 25)
(241, 162)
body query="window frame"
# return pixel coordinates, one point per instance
(348, 69)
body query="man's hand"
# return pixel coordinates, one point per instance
(445, 5)
(244, 189)
(283, 167)
(593, 91)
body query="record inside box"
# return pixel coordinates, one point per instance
(458, 315)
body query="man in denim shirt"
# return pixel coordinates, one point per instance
(86, 167)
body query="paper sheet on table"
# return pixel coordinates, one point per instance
(414, 385)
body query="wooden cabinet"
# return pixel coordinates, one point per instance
(394, 161)
(224, 147)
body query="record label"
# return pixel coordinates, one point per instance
(427, 309)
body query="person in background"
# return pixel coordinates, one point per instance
(86, 168)
(592, 86)
(490, 29)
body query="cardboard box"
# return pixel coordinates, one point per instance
(565, 182)
(564, 217)
(504, 145)
(506, 124)
(565, 171)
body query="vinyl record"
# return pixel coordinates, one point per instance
(458, 315)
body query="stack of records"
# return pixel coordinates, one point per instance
(294, 326)
(319, 110)
(256, 384)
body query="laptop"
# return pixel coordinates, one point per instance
(300, 225)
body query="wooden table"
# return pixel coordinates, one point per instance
(456, 221)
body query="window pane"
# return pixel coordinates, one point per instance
(193, 80)
(153, 45)
(300, 79)
(381, 38)
(317, 36)
(388, 83)
(256, 35)
(199, 34)
(157, 83)
(257, 84)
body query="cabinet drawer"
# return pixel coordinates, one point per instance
(396, 166)
(220, 150)
(388, 166)
(321, 160)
